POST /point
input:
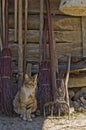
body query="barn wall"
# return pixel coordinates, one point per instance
(67, 32)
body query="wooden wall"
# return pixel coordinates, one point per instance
(67, 30)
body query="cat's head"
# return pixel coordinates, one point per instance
(30, 81)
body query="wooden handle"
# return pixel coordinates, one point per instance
(25, 37)
(6, 24)
(16, 19)
(20, 46)
(41, 29)
(67, 79)
(45, 39)
(51, 50)
(3, 22)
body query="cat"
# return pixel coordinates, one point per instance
(25, 101)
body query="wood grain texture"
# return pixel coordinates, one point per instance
(60, 36)
(77, 82)
(84, 35)
(60, 22)
(61, 49)
(34, 6)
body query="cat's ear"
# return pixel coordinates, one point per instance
(35, 76)
(26, 76)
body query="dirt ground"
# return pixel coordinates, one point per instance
(75, 122)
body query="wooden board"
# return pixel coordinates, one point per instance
(60, 22)
(84, 36)
(77, 82)
(34, 6)
(60, 36)
(61, 48)
(64, 48)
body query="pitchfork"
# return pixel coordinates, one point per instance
(56, 100)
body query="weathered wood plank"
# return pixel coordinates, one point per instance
(32, 50)
(73, 81)
(68, 36)
(60, 22)
(34, 6)
(61, 49)
(84, 35)
(60, 36)
(65, 48)
(77, 82)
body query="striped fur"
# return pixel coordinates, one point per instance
(25, 101)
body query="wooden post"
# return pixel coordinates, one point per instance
(29, 68)
(25, 37)
(84, 36)
(20, 46)
(16, 19)
(41, 29)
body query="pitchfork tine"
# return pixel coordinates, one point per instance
(44, 112)
(52, 108)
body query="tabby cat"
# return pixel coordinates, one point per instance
(25, 101)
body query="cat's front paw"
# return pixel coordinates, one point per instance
(30, 119)
(33, 115)
(24, 118)
(21, 116)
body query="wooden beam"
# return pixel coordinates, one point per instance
(61, 22)
(35, 4)
(60, 36)
(29, 69)
(84, 36)
(60, 48)
(77, 82)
